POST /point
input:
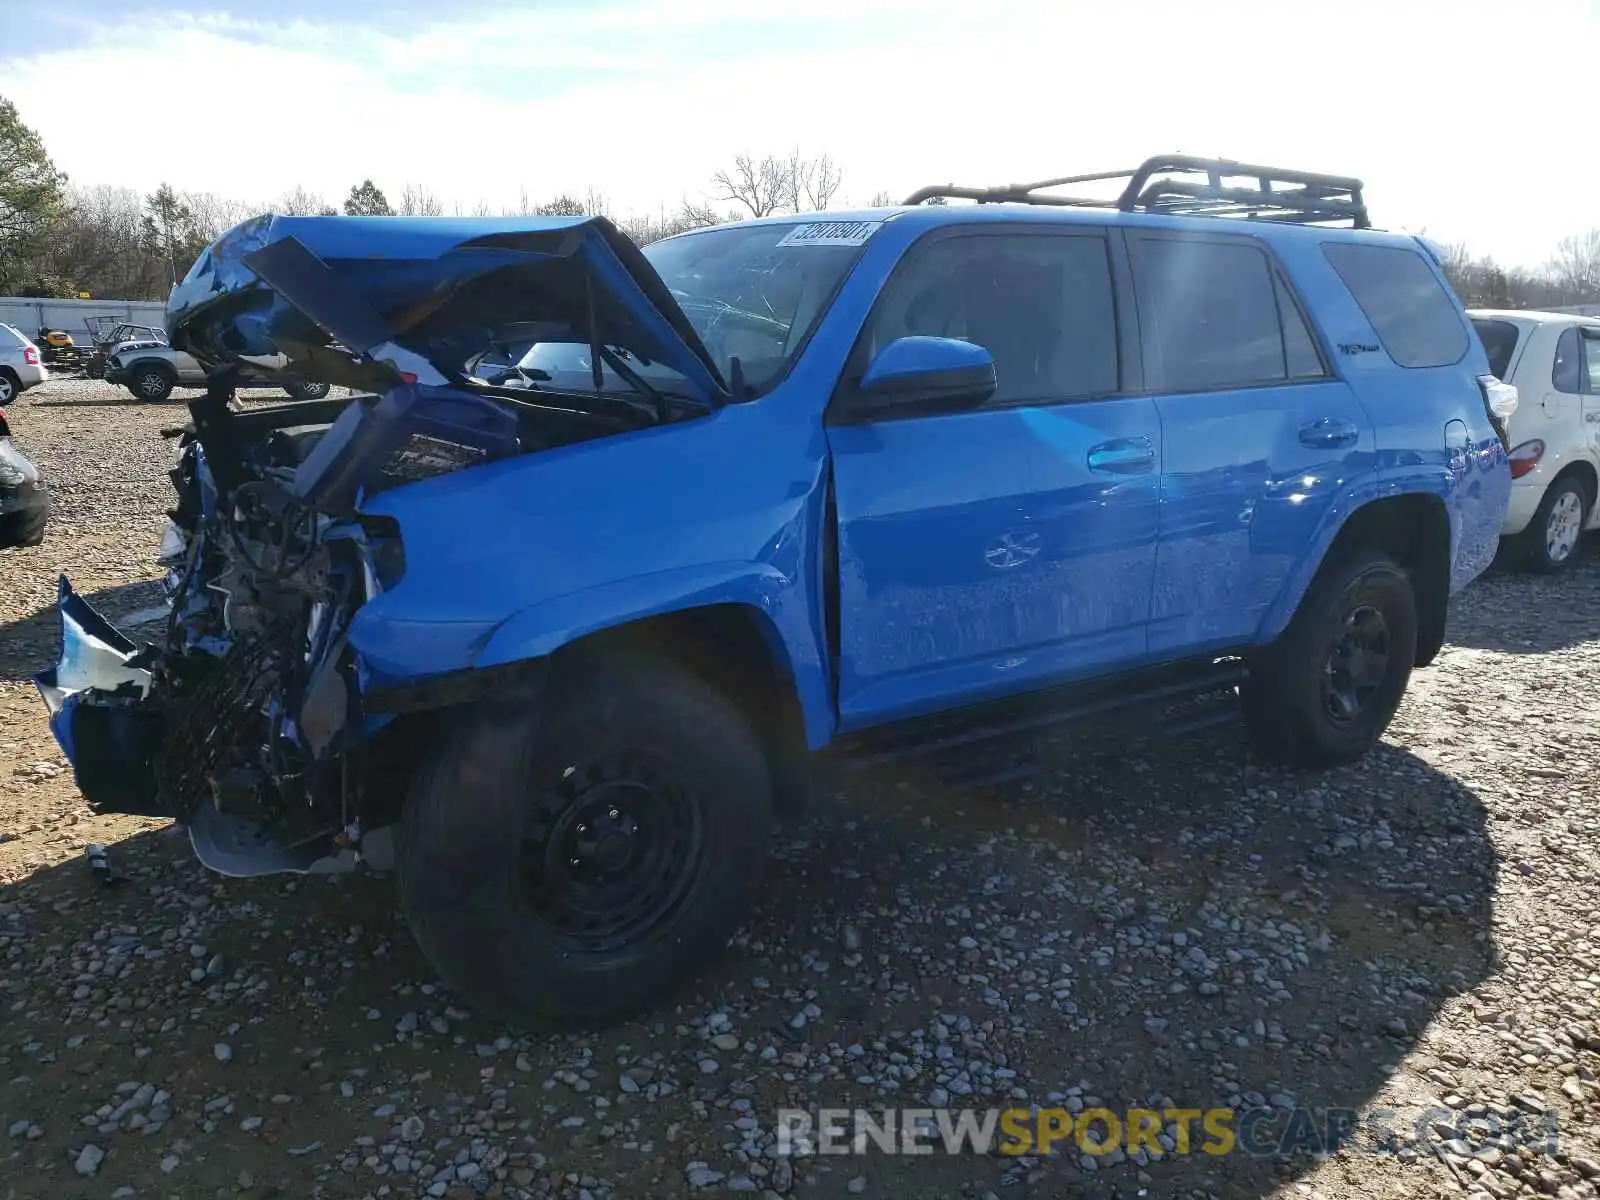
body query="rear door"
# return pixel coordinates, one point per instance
(992, 550)
(1258, 435)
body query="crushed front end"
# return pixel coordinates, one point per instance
(243, 719)
(247, 719)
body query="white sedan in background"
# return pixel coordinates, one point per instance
(1553, 360)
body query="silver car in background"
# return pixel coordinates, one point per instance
(21, 365)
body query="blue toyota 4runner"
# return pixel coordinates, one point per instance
(555, 612)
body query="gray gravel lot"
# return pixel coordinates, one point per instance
(1145, 926)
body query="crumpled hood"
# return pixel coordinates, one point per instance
(360, 301)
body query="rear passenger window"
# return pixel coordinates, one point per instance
(1214, 315)
(1499, 340)
(1566, 373)
(1410, 311)
(1041, 304)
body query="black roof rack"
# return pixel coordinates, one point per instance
(1181, 185)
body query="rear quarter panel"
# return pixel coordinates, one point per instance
(1411, 409)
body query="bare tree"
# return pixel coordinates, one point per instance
(301, 203)
(419, 201)
(762, 187)
(694, 216)
(215, 215)
(1575, 266)
(813, 182)
(687, 217)
(881, 199)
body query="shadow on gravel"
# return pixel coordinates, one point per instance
(1516, 612)
(31, 644)
(1164, 926)
(123, 401)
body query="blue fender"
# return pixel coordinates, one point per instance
(1362, 492)
(773, 599)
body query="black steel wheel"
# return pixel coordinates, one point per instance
(1325, 691)
(1357, 665)
(578, 862)
(614, 850)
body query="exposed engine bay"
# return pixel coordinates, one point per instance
(246, 719)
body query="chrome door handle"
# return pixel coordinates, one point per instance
(1329, 433)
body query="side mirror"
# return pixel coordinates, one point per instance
(928, 373)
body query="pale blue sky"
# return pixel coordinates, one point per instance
(1464, 118)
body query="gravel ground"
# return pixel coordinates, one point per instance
(1168, 925)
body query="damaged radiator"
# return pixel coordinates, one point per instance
(215, 721)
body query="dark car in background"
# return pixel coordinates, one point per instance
(24, 499)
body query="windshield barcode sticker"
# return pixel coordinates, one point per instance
(830, 233)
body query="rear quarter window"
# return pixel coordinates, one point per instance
(1499, 340)
(1412, 314)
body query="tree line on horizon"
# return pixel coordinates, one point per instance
(59, 239)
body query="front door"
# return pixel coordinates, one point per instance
(987, 551)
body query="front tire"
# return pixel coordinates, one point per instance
(307, 391)
(152, 384)
(578, 869)
(1550, 542)
(1326, 690)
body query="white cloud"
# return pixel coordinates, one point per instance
(642, 101)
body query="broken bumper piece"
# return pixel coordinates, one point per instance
(110, 730)
(100, 713)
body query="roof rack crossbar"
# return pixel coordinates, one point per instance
(1298, 197)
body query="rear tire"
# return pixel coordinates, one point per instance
(10, 387)
(307, 391)
(1325, 691)
(642, 788)
(1550, 542)
(24, 528)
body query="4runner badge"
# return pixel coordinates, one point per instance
(1357, 348)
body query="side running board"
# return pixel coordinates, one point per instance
(995, 742)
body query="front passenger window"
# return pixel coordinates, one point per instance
(1041, 304)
